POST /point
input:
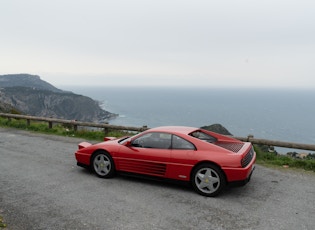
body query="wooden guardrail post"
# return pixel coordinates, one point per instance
(106, 129)
(250, 136)
(28, 122)
(50, 124)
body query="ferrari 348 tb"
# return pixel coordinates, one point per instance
(209, 161)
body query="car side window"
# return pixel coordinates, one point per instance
(180, 143)
(203, 136)
(153, 140)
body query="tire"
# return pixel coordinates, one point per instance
(208, 180)
(103, 165)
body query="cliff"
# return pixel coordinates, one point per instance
(7, 108)
(33, 96)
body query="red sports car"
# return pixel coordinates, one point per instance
(206, 159)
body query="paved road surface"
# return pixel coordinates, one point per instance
(42, 188)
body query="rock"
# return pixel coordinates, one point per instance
(217, 128)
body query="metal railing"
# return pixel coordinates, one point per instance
(108, 127)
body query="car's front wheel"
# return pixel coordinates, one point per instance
(103, 164)
(208, 180)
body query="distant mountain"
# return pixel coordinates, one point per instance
(26, 80)
(33, 96)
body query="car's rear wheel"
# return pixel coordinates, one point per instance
(103, 164)
(208, 180)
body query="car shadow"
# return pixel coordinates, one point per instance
(184, 186)
(155, 181)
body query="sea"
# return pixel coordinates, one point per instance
(273, 114)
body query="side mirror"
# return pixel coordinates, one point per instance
(127, 143)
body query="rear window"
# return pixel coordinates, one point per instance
(203, 136)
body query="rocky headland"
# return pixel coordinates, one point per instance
(28, 94)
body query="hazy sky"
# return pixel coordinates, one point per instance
(160, 42)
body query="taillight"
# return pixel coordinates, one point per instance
(248, 157)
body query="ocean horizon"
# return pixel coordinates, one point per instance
(274, 114)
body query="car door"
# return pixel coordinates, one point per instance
(148, 154)
(182, 160)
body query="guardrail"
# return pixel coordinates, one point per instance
(108, 127)
(73, 123)
(283, 144)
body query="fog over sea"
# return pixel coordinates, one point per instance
(275, 114)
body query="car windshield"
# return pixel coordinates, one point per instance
(203, 136)
(125, 139)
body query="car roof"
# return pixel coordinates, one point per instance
(174, 129)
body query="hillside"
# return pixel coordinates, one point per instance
(33, 96)
(7, 108)
(26, 80)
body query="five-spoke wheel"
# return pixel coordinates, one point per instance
(208, 180)
(103, 165)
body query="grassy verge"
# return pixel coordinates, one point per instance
(272, 159)
(62, 130)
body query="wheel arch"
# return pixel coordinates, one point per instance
(207, 162)
(96, 152)
(100, 172)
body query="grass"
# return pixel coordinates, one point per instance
(62, 130)
(263, 157)
(272, 159)
(2, 224)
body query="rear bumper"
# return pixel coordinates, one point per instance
(242, 182)
(240, 174)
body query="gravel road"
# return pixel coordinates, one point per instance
(42, 188)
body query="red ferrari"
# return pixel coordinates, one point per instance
(206, 159)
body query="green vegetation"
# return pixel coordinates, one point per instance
(62, 130)
(270, 158)
(2, 224)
